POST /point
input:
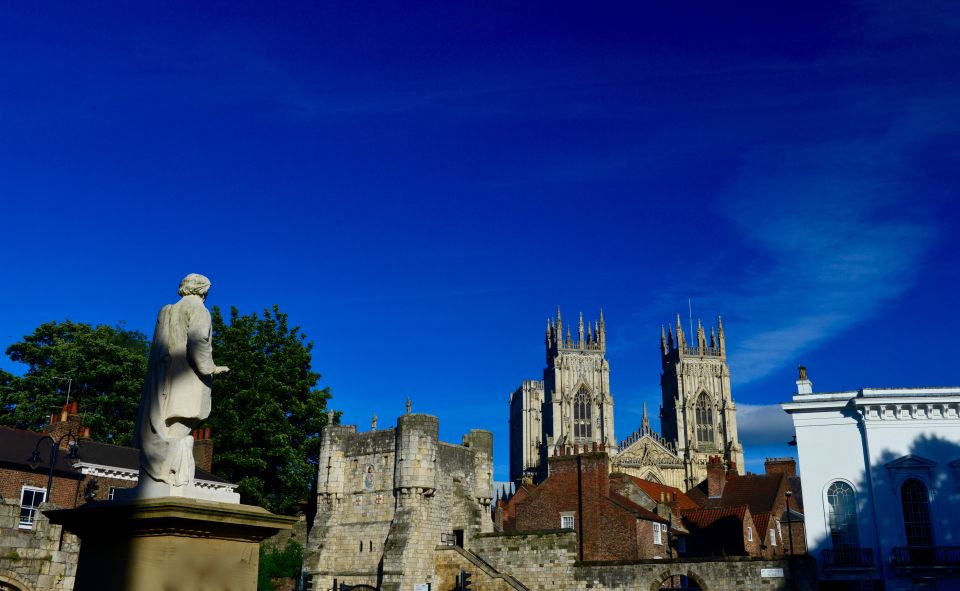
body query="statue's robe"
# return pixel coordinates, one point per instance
(176, 392)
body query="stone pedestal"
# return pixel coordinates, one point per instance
(169, 544)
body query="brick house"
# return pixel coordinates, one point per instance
(757, 506)
(578, 495)
(35, 554)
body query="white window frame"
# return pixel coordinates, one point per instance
(749, 534)
(111, 492)
(658, 533)
(773, 537)
(779, 531)
(32, 509)
(568, 520)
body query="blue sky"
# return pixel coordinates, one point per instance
(419, 186)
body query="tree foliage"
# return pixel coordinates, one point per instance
(101, 366)
(279, 563)
(267, 410)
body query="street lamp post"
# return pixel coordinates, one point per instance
(789, 494)
(35, 459)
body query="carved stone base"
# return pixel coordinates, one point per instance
(168, 543)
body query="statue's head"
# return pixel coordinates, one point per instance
(194, 284)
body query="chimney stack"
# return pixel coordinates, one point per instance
(785, 466)
(66, 421)
(716, 478)
(203, 449)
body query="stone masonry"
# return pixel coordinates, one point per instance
(387, 499)
(547, 560)
(39, 559)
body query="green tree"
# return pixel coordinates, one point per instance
(279, 563)
(267, 410)
(102, 366)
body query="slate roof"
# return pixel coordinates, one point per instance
(16, 446)
(105, 454)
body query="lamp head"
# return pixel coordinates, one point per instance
(35, 460)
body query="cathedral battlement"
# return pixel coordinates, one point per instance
(594, 339)
(673, 344)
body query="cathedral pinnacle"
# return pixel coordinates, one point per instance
(681, 341)
(721, 339)
(580, 332)
(645, 423)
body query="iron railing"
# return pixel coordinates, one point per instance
(926, 556)
(847, 558)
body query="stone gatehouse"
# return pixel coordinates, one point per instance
(388, 499)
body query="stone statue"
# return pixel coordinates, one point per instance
(176, 393)
(409, 404)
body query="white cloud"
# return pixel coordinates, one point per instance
(763, 424)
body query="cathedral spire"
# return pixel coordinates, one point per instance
(569, 338)
(645, 424)
(701, 338)
(663, 341)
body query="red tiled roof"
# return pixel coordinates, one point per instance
(655, 490)
(704, 517)
(758, 491)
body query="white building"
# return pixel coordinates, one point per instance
(880, 472)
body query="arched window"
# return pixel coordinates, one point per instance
(582, 422)
(704, 419)
(842, 516)
(916, 513)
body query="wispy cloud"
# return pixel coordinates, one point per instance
(832, 237)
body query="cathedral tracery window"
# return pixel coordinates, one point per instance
(582, 415)
(703, 414)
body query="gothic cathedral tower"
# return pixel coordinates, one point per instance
(698, 412)
(572, 406)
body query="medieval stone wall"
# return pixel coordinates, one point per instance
(547, 561)
(38, 559)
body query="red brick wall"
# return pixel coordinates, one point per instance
(12, 482)
(605, 529)
(203, 449)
